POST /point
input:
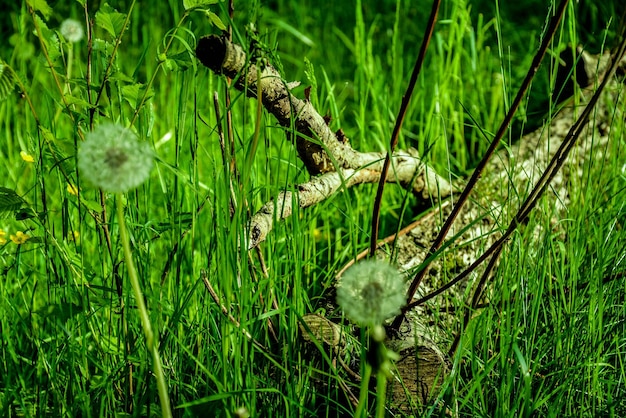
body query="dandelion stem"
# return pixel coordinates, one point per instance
(361, 410)
(381, 393)
(151, 340)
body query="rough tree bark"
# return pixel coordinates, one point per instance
(507, 179)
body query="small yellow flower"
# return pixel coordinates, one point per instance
(71, 189)
(19, 237)
(3, 240)
(74, 236)
(27, 157)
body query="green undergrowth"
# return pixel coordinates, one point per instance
(71, 339)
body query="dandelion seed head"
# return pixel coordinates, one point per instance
(113, 159)
(72, 30)
(371, 292)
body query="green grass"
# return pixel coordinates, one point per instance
(71, 338)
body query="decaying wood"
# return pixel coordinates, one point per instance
(335, 166)
(507, 180)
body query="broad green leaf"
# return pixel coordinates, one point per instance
(134, 93)
(92, 205)
(10, 201)
(215, 20)
(178, 62)
(194, 4)
(49, 39)
(103, 47)
(73, 100)
(42, 7)
(110, 20)
(120, 76)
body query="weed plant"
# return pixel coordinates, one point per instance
(227, 320)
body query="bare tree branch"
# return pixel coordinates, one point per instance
(409, 171)
(322, 150)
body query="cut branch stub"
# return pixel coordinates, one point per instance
(314, 135)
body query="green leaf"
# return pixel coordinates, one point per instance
(178, 62)
(7, 82)
(26, 213)
(49, 39)
(92, 205)
(73, 100)
(10, 201)
(215, 20)
(102, 46)
(61, 311)
(54, 156)
(110, 20)
(120, 76)
(41, 6)
(25, 50)
(134, 93)
(194, 4)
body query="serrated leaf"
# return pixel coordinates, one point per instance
(7, 82)
(92, 205)
(178, 62)
(120, 76)
(42, 7)
(49, 39)
(25, 213)
(216, 20)
(10, 201)
(61, 311)
(194, 4)
(110, 20)
(55, 156)
(134, 93)
(73, 100)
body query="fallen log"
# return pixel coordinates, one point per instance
(334, 166)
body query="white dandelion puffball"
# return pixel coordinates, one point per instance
(371, 292)
(72, 30)
(113, 159)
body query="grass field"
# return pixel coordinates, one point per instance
(73, 340)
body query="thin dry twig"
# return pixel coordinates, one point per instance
(406, 99)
